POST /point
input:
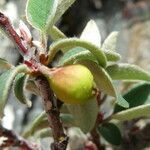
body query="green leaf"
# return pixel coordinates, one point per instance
(112, 56)
(133, 113)
(111, 133)
(91, 33)
(127, 72)
(41, 13)
(110, 42)
(102, 79)
(63, 5)
(74, 42)
(80, 53)
(4, 64)
(84, 114)
(121, 101)
(76, 54)
(138, 95)
(56, 34)
(6, 80)
(19, 85)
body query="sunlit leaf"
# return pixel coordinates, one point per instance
(80, 53)
(74, 42)
(6, 80)
(84, 114)
(19, 85)
(132, 113)
(112, 56)
(127, 72)
(91, 33)
(56, 34)
(41, 13)
(110, 42)
(76, 54)
(111, 133)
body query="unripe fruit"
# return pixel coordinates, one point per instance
(72, 84)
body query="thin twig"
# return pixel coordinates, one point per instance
(8, 29)
(94, 134)
(50, 106)
(13, 140)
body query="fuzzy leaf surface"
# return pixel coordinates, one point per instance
(41, 13)
(127, 72)
(80, 53)
(132, 113)
(75, 42)
(6, 81)
(91, 33)
(74, 54)
(19, 86)
(110, 42)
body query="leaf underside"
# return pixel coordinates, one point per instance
(19, 86)
(110, 42)
(84, 114)
(6, 80)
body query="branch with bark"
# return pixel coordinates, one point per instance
(11, 139)
(52, 111)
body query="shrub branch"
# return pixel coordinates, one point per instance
(13, 140)
(50, 106)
